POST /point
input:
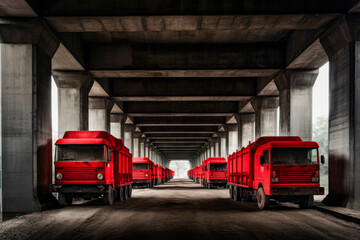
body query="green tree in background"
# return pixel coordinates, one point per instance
(320, 135)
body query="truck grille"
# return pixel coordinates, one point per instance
(138, 175)
(80, 174)
(218, 174)
(295, 177)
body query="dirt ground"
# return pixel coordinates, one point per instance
(179, 209)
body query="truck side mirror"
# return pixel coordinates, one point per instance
(322, 159)
(262, 160)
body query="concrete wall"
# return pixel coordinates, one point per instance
(26, 126)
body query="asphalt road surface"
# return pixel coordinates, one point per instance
(179, 209)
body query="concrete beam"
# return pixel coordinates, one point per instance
(180, 129)
(188, 7)
(182, 89)
(180, 56)
(219, 108)
(178, 121)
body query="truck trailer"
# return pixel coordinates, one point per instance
(276, 168)
(92, 164)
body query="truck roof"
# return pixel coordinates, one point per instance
(141, 160)
(90, 137)
(281, 141)
(214, 160)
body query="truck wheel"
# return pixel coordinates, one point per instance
(236, 193)
(262, 199)
(109, 196)
(64, 199)
(122, 194)
(306, 201)
(231, 193)
(129, 191)
(126, 191)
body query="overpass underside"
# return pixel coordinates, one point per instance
(179, 80)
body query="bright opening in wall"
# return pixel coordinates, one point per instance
(181, 167)
(320, 119)
(54, 119)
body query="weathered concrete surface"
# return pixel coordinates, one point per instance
(295, 102)
(99, 113)
(25, 76)
(73, 92)
(247, 128)
(179, 209)
(265, 116)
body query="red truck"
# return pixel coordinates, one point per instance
(143, 172)
(214, 172)
(279, 168)
(92, 164)
(158, 174)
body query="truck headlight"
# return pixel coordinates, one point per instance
(59, 176)
(100, 176)
(146, 175)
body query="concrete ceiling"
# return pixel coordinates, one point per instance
(181, 69)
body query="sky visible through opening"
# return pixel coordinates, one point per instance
(180, 167)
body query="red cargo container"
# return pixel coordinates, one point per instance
(92, 164)
(214, 172)
(143, 172)
(280, 168)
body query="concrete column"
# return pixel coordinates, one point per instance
(233, 137)
(117, 125)
(147, 148)
(142, 146)
(344, 114)
(217, 147)
(295, 88)
(136, 144)
(73, 90)
(223, 144)
(99, 113)
(26, 140)
(247, 121)
(212, 149)
(128, 138)
(265, 116)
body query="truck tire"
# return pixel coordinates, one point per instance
(126, 191)
(122, 194)
(64, 199)
(129, 191)
(262, 199)
(236, 193)
(231, 192)
(306, 201)
(109, 196)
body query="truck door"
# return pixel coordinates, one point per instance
(263, 170)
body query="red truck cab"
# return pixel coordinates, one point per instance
(214, 172)
(142, 172)
(279, 168)
(92, 164)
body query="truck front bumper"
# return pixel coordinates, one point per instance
(297, 191)
(79, 189)
(141, 181)
(218, 181)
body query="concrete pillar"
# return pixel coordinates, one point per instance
(217, 147)
(247, 121)
(265, 116)
(344, 113)
(99, 113)
(128, 138)
(142, 146)
(73, 90)
(212, 149)
(136, 144)
(295, 88)
(233, 137)
(26, 139)
(147, 149)
(223, 144)
(117, 125)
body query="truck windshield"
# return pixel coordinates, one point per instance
(297, 156)
(218, 166)
(81, 153)
(140, 166)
